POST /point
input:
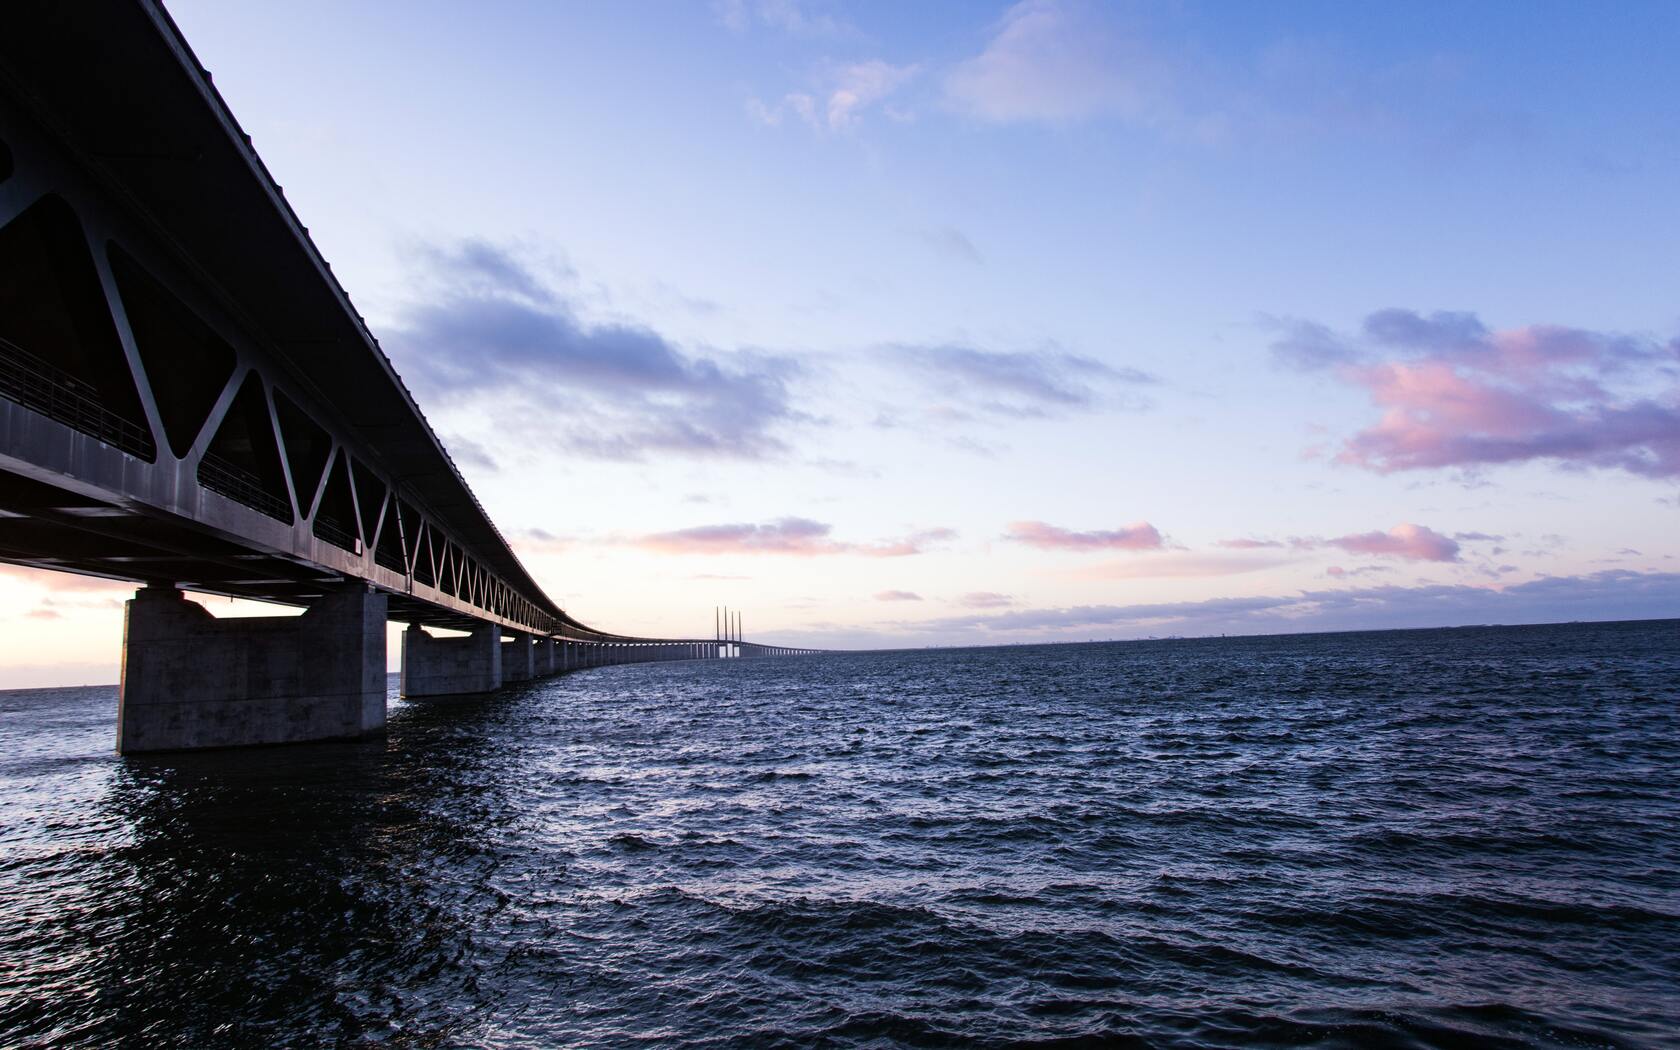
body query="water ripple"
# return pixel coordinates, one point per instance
(1452, 838)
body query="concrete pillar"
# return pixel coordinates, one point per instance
(447, 666)
(547, 658)
(190, 680)
(518, 657)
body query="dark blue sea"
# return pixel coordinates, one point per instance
(1465, 838)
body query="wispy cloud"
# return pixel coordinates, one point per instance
(1337, 572)
(861, 85)
(1247, 543)
(1060, 61)
(470, 454)
(985, 600)
(840, 96)
(66, 592)
(949, 241)
(1307, 345)
(1020, 384)
(799, 537)
(796, 18)
(1138, 536)
(540, 541)
(488, 329)
(897, 596)
(1454, 393)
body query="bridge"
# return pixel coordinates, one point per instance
(189, 401)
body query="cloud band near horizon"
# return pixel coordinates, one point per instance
(796, 537)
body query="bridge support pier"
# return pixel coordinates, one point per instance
(447, 666)
(518, 657)
(191, 681)
(547, 661)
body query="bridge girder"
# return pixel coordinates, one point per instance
(186, 393)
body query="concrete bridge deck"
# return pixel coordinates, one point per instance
(188, 399)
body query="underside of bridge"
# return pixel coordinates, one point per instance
(189, 400)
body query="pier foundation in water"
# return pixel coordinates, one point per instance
(190, 680)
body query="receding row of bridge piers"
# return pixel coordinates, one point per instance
(191, 680)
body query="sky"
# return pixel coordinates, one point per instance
(951, 324)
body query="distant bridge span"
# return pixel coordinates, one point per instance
(188, 399)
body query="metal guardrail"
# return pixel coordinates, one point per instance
(391, 560)
(61, 397)
(241, 486)
(337, 535)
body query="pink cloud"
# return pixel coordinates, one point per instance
(897, 596)
(1138, 536)
(985, 600)
(1453, 393)
(800, 537)
(1414, 542)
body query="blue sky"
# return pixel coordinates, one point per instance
(944, 324)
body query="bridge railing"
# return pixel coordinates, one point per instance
(240, 485)
(60, 396)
